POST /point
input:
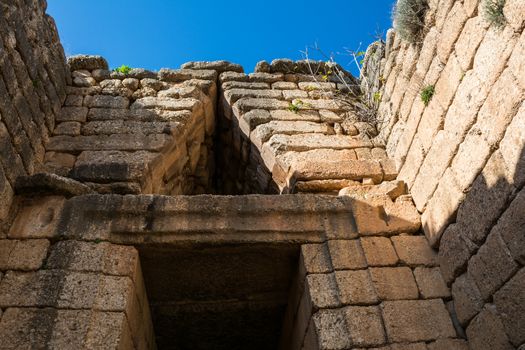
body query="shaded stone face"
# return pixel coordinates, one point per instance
(220, 297)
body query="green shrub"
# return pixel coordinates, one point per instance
(377, 97)
(427, 93)
(409, 19)
(493, 12)
(123, 69)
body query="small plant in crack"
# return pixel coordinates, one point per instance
(377, 97)
(296, 105)
(493, 12)
(123, 69)
(427, 93)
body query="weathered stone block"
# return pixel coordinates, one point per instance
(510, 303)
(246, 85)
(67, 128)
(486, 331)
(77, 114)
(442, 208)
(104, 166)
(233, 95)
(166, 103)
(365, 326)
(38, 218)
(332, 329)
(510, 227)
(394, 283)
(355, 288)
(219, 66)
(125, 142)
(448, 344)
(24, 255)
(499, 109)
(86, 62)
(290, 95)
(512, 146)
(322, 291)
(414, 250)
(469, 40)
(430, 283)
(379, 251)
(59, 329)
(454, 252)
(417, 320)
(179, 75)
(74, 101)
(467, 298)
(266, 77)
(492, 265)
(486, 199)
(452, 27)
(315, 258)
(513, 12)
(284, 85)
(347, 254)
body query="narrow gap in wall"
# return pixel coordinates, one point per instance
(239, 167)
(219, 296)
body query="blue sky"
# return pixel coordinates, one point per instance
(166, 33)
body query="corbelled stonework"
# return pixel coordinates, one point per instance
(207, 208)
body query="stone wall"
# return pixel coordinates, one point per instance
(139, 132)
(462, 156)
(33, 76)
(282, 130)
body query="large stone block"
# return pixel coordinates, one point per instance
(77, 114)
(486, 331)
(167, 103)
(469, 40)
(417, 320)
(379, 251)
(322, 291)
(38, 218)
(394, 283)
(125, 142)
(87, 62)
(499, 109)
(452, 27)
(436, 162)
(356, 288)
(414, 250)
(442, 208)
(454, 251)
(233, 95)
(512, 148)
(26, 255)
(315, 258)
(347, 254)
(430, 283)
(332, 330)
(486, 199)
(365, 327)
(492, 265)
(510, 303)
(104, 166)
(468, 301)
(510, 228)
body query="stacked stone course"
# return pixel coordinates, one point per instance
(33, 77)
(99, 244)
(462, 156)
(141, 132)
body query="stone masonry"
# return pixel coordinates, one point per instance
(462, 155)
(207, 208)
